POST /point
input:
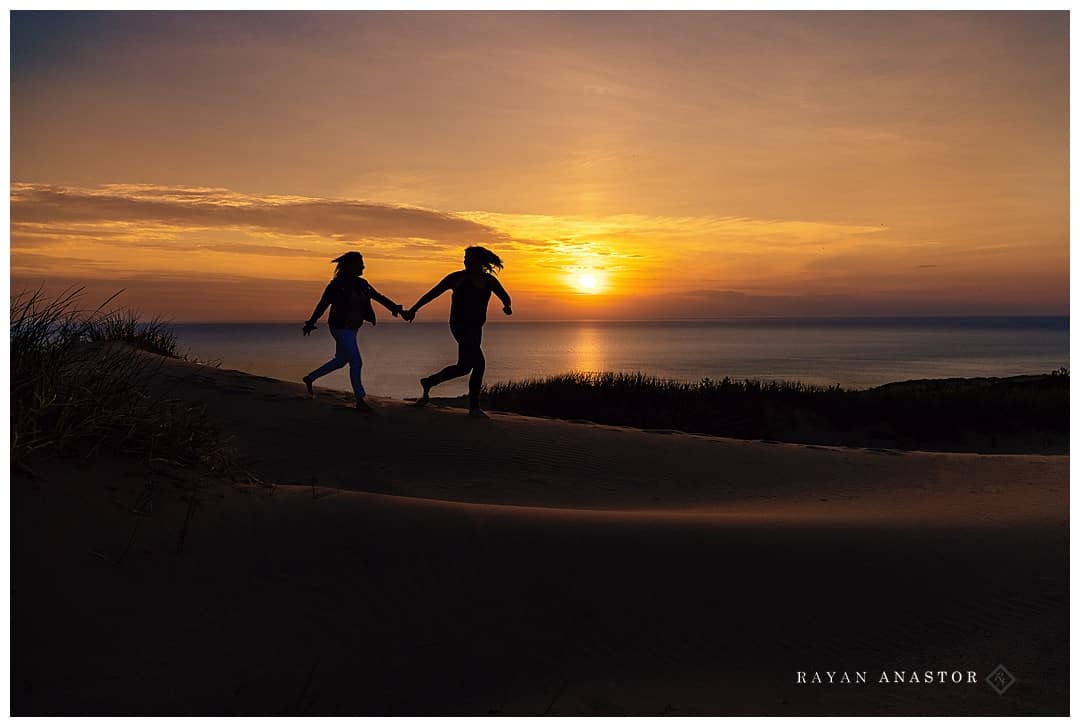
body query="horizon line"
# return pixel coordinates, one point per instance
(708, 319)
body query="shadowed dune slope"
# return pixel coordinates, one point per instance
(416, 561)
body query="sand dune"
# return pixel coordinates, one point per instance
(442, 454)
(417, 561)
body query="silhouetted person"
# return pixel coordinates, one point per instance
(472, 288)
(349, 297)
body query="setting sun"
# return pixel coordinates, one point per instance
(587, 283)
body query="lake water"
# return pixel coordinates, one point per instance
(855, 353)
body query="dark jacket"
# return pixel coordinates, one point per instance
(469, 304)
(339, 297)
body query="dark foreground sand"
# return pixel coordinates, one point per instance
(420, 562)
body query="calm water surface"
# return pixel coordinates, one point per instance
(855, 353)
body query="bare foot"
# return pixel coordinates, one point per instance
(310, 391)
(362, 406)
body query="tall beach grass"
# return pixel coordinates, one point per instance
(1022, 413)
(80, 383)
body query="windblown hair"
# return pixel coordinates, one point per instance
(489, 261)
(346, 264)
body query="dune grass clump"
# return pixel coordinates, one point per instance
(1021, 413)
(80, 383)
(125, 326)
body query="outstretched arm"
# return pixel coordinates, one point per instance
(390, 305)
(497, 289)
(444, 285)
(320, 308)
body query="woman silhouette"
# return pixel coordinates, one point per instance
(472, 288)
(349, 297)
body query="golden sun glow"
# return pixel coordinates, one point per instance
(587, 283)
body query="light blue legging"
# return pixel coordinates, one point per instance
(346, 352)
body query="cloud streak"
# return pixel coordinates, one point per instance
(70, 210)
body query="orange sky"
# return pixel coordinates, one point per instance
(694, 164)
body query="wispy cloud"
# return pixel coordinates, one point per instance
(208, 239)
(52, 210)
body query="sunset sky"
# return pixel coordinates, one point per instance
(693, 164)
